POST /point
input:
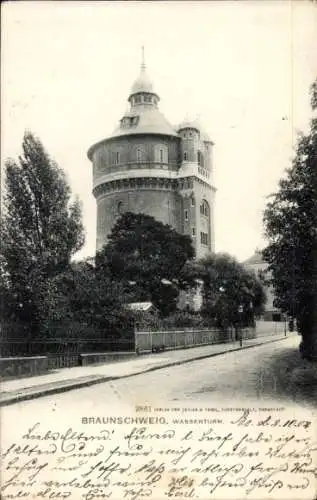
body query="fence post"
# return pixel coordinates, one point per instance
(135, 338)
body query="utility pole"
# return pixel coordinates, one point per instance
(240, 313)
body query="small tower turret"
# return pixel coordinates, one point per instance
(196, 172)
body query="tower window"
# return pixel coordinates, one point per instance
(204, 208)
(193, 202)
(138, 155)
(199, 157)
(161, 153)
(204, 238)
(185, 156)
(137, 99)
(119, 207)
(125, 122)
(186, 214)
(116, 158)
(134, 120)
(193, 231)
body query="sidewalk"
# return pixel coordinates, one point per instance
(66, 379)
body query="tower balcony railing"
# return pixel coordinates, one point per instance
(135, 179)
(128, 165)
(189, 168)
(202, 171)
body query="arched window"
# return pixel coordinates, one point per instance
(204, 208)
(115, 157)
(120, 207)
(139, 154)
(161, 153)
(185, 156)
(199, 157)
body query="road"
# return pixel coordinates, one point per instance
(251, 376)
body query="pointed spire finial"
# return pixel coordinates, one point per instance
(143, 60)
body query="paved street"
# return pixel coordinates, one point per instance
(55, 381)
(249, 376)
(242, 375)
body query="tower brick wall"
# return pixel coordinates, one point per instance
(163, 205)
(139, 151)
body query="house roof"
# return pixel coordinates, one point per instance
(140, 306)
(256, 258)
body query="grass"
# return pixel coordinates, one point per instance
(290, 377)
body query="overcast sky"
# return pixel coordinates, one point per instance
(244, 68)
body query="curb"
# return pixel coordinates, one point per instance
(17, 398)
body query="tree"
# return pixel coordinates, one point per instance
(80, 296)
(227, 286)
(290, 221)
(149, 255)
(41, 228)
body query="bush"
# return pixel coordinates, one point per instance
(185, 319)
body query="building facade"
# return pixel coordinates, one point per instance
(147, 166)
(257, 264)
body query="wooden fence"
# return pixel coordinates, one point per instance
(66, 352)
(267, 328)
(151, 341)
(66, 343)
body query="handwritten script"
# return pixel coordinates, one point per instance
(167, 455)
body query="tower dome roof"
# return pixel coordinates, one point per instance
(144, 116)
(142, 83)
(147, 121)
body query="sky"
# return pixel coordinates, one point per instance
(243, 68)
